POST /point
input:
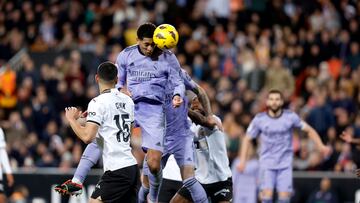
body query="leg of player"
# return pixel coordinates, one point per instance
(284, 184)
(179, 199)
(144, 189)
(155, 175)
(267, 196)
(197, 192)
(284, 197)
(88, 159)
(95, 200)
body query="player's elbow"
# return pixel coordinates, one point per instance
(87, 139)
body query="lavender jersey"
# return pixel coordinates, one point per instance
(176, 118)
(147, 78)
(276, 151)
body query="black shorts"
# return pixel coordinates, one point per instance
(217, 192)
(121, 185)
(168, 189)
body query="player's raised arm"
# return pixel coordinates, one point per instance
(174, 76)
(86, 133)
(313, 135)
(120, 64)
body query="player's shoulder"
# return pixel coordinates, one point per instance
(97, 101)
(168, 52)
(288, 112)
(168, 55)
(261, 115)
(130, 48)
(185, 75)
(217, 118)
(126, 98)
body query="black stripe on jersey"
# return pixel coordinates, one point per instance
(93, 122)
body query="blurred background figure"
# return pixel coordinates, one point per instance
(324, 194)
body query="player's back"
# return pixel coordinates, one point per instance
(146, 77)
(113, 111)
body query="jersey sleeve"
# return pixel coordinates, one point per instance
(297, 121)
(175, 76)
(132, 110)
(2, 139)
(253, 130)
(95, 114)
(121, 65)
(188, 82)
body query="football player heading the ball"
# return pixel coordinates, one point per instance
(165, 36)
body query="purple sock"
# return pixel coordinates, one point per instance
(266, 201)
(88, 159)
(154, 180)
(143, 192)
(284, 200)
(196, 190)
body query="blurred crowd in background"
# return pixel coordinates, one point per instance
(235, 49)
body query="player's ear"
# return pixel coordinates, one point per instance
(97, 78)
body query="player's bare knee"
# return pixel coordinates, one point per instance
(154, 165)
(187, 172)
(266, 194)
(284, 195)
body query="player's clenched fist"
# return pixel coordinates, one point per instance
(177, 101)
(72, 113)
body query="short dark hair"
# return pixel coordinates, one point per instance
(107, 71)
(276, 91)
(145, 30)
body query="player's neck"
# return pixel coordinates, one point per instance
(273, 114)
(105, 88)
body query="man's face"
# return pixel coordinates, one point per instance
(274, 102)
(146, 46)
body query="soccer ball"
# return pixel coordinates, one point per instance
(165, 36)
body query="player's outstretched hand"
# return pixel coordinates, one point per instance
(177, 101)
(241, 166)
(72, 113)
(346, 137)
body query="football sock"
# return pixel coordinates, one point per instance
(143, 192)
(154, 180)
(264, 200)
(196, 190)
(88, 159)
(284, 200)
